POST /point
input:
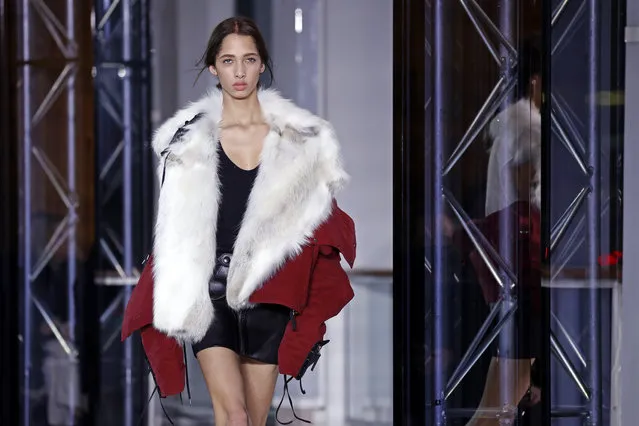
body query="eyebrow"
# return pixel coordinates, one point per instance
(228, 55)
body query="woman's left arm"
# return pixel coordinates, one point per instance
(329, 292)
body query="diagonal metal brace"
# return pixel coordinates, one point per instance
(481, 349)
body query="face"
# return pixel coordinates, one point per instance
(238, 66)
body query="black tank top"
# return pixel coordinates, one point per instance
(235, 188)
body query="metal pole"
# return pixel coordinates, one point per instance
(71, 177)
(506, 341)
(26, 212)
(594, 208)
(439, 125)
(71, 182)
(145, 132)
(127, 166)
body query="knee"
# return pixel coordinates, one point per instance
(237, 416)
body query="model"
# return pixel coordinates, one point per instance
(246, 263)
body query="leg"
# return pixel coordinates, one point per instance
(223, 376)
(517, 372)
(259, 386)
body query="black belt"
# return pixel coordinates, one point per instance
(217, 283)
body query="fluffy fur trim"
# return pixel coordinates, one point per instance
(300, 172)
(522, 121)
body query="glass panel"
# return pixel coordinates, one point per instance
(584, 164)
(484, 237)
(524, 278)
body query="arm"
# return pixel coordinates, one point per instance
(329, 292)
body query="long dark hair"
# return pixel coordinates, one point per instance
(239, 25)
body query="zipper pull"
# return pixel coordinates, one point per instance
(293, 321)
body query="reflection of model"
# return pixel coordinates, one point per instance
(512, 199)
(514, 166)
(246, 262)
(508, 377)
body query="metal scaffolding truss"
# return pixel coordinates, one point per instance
(124, 185)
(48, 64)
(584, 151)
(38, 169)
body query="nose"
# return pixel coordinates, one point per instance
(239, 71)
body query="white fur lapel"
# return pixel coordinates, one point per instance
(300, 172)
(522, 121)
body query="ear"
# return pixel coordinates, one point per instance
(212, 70)
(262, 68)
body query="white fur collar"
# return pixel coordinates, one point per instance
(520, 124)
(521, 116)
(300, 172)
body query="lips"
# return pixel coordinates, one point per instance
(239, 86)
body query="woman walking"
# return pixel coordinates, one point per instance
(246, 261)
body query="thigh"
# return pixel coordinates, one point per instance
(259, 386)
(223, 377)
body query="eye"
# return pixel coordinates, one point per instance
(227, 61)
(252, 60)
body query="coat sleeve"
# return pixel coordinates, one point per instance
(139, 309)
(329, 292)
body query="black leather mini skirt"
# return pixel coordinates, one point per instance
(254, 333)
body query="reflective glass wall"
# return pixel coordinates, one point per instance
(483, 244)
(583, 203)
(515, 108)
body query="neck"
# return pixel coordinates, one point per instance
(241, 111)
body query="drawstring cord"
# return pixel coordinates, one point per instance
(165, 413)
(311, 361)
(186, 372)
(287, 380)
(156, 389)
(146, 407)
